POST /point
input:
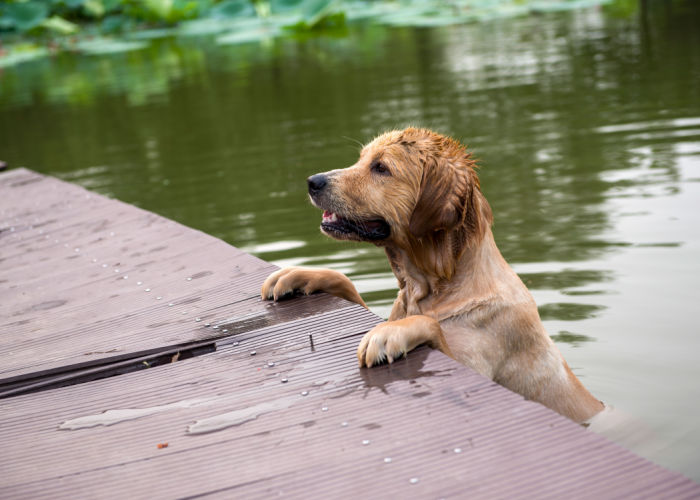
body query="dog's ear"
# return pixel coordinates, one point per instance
(444, 193)
(451, 214)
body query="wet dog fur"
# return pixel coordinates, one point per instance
(416, 194)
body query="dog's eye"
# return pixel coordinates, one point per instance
(379, 168)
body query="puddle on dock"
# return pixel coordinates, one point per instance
(202, 426)
(111, 417)
(238, 417)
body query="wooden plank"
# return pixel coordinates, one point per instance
(124, 281)
(416, 412)
(305, 422)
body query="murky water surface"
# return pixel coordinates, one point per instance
(587, 127)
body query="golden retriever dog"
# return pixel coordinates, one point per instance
(416, 194)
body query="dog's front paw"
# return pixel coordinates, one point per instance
(307, 281)
(393, 339)
(384, 342)
(284, 282)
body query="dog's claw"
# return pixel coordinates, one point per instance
(278, 284)
(373, 348)
(390, 341)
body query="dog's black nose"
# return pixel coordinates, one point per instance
(317, 183)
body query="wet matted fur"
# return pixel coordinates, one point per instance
(416, 194)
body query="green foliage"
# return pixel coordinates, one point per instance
(168, 11)
(237, 21)
(59, 25)
(101, 45)
(25, 15)
(33, 15)
(22, 52)
(229, 9)
(622, 8)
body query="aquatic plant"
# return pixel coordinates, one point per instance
(32, 29)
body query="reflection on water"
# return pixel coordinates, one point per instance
(575, 339)
(587, 126)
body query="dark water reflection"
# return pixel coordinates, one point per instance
(588, 128)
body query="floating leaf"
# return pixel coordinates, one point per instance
(232, 9)
(559, 5)
(115, 23)
(200, 27)
(26, 15)
(281, 6)
(151, 34)
(59, 25)
(108, 46)
(111, 5)
(21, 53)
(363, 10)
(94, 8)
(161, 8)
(73, 4)
(313, 11)
(203, 27)
(260, 33)
(262, 9)
(423, 20)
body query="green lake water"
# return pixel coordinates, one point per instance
(587, 127)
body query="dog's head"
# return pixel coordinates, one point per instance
(413, 189)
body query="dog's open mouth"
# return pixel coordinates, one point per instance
(339, 227)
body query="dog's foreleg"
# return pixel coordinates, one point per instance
(298, 279)
(391, 340)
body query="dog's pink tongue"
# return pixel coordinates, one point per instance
(327, 214)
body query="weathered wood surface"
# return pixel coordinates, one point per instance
(304, 421)
(87, 280)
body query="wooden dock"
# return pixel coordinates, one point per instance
(138, 361)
